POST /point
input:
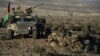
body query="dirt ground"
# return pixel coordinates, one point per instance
(25, 46)
(19, 47)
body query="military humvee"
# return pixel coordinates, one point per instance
(22, 24)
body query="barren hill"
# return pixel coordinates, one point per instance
(58, 6)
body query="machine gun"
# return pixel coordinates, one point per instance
(29, 10)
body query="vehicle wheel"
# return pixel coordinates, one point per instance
(9, 34)
(34, 34)
(0, 24)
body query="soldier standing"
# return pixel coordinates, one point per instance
(62, 29)
(29, 11)
(92, 39)
(86, 43)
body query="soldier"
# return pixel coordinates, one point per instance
(18, 8)
(94, 44)
(87, 43)
(90, 29)
(52, 39)
(62, 27)
(29, 11)
(13, 9)
(48, 29)
(72, 41)
(54, 27)
(90, 42)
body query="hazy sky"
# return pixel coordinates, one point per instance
(77, 4)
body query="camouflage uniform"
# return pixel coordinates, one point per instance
(29, 11)
(51, 37)
(56, 37)
(72, 41)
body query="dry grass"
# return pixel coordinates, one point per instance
(25, 47)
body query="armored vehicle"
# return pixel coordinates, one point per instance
(25, 25)
(20, 22)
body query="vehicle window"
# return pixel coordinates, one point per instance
(23, 19)
(17, 19)
(28, 19)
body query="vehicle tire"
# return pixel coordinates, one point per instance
(9, 34)
(0, 24)
(34, 34)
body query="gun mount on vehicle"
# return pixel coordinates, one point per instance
(23, 23)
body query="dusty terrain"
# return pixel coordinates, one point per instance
(25, 46)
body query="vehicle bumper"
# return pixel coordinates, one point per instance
(21, 32)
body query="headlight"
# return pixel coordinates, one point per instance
(29, 28)
(15, 27)
(12, 26)
(17, 16)
(29, 16)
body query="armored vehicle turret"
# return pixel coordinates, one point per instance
(22, 22)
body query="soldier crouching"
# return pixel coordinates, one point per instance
(52, 39)
(72, 41)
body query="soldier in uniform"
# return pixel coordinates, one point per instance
(18, 8)
(91, 39)
(62, 28)
(52, 38)
(47, 29)
(29, 11)
(55, 36)
(72, 41)
(87, 43)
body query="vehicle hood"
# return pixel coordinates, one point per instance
(25, 25)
